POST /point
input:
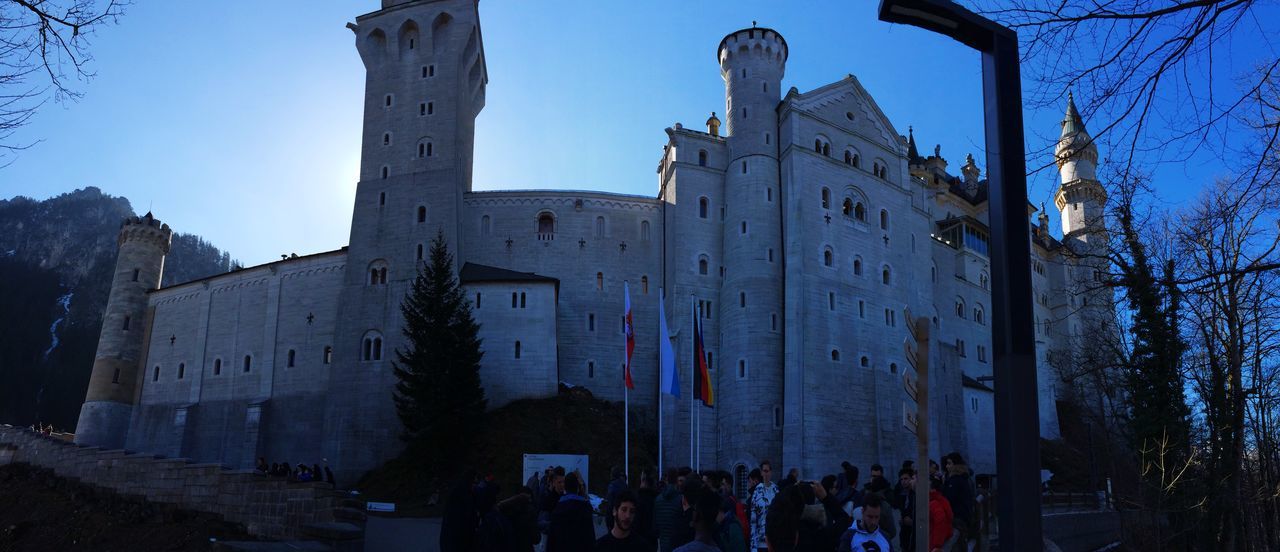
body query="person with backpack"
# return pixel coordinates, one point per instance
(960, 491)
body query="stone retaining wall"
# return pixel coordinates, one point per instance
(268, 507)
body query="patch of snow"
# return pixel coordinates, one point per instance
(65, 303)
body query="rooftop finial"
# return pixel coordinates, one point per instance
(912, 153)
(753, 23)
(713, 125)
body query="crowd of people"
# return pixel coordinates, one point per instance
(41, 428)
(688, 511)
(301, 472)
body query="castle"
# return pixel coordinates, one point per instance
(801, 233)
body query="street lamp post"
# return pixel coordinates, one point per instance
(1013, 342)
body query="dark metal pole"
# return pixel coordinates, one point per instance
(1013, 341)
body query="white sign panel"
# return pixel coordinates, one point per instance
(537, 463)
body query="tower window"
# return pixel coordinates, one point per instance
(864, 362)
(293, 356)
(702, 158)
(773, 322)
(599, 227)
(744, 113)
(744, 227)
(893, 367)
(431, 108)
(847, 208)
(644, 230)
(428, 71)
(328, 354)
(857, 267)
(477, 300)
(770, 254)
(182, 370)
(884, 219)
(884, 276)
(860, 212)
(826, 198)
(591, 369)
(422, 214)
(419, 252)
(831, 301)
(644, 285)
(135, 274)
(126, 323)
(835, 355)
(514, 299)
(387, 101)
(702, 207)
(517, 350)
(862, 309)
(411, 41)
(422, 109)
(385, 171)
(702, 266)
(523, 301)
(217, 366)
(546, 225)
(828, 258)
(382, 196)
(600, 281)
(115, 378)
(248, 363)
(777, 417)
(742, 299)
(386, 138)
(155, 373)
(591, 322)
(744, 167)
(484, 225)
(742, 369)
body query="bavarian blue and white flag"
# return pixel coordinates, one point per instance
(669, 381)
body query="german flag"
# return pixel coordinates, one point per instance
(701, 374)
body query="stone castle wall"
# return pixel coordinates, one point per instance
(268, 507)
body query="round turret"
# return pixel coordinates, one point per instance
(1075, 153)
(752, 62)
(104, 417)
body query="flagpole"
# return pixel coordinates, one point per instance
(661, 375)
(693, 385)
(626, 397)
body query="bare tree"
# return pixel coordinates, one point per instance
(44, 54)
(1166, 78)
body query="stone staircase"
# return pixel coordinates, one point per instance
(268, 507)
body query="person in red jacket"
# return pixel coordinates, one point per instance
(939, 517)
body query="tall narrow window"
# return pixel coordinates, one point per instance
(115, 378)
(702, 266)
(523, 297)
(485, 225)
(328, 354)
(599, 280)
(386, 102)
(831, 301)
(847, 208)
(217, 366)
(517, 349)
(591, 369)
(431, 108)
(422, 109)
(591, 322)
(382, 197)
(546, 225)
(742, 369)
(135, 274)
(385, 171)
(182, 370)
(773, 322)
(422, 150)
(644, 230)
(826, 198)
(422, 214)
(419, 252)
(857, 267)
(744, 167)
(835, 355)
(884, 276)
(386, 138)
(644, 285)
(155, 373)
(248, 363)
(860, 212)
(293, 355)
(377, 348)
(742, 299)
(599, 227)
(702, 207)
(429, 150)
(862, 309)
(828, 258)
(744, 227)
(884, 219)
(514, 299)
(702, 158)
(126, 323)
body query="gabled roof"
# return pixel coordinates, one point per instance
(472, 272)
(849, 86)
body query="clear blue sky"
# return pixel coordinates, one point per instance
(240, 120)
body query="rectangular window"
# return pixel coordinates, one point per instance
(770, 254)
(591, 322)
(422, 109)
(982, 353)
(862, 309)
(431, 108)
(477, 300)
(831, 301)
(428, 71)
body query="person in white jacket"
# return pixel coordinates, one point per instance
(866, 530)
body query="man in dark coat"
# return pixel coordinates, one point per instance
(571, 529)
(458, 528)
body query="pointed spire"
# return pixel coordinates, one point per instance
(912, 152)
(1072, 123)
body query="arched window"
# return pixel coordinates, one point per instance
(848, 157)
(408, 36)
(984, 280)
(702, 158)
(826, 149)
(386, 138)
(377, 272)
(155, 373)
(860, 212)
(864, 362)
(600, 280)
(847, 208)
(522, 299)
(371, 347)
(893, 368)
(835, 354)
(439, 30)
(644, 285)
(644, 230)
(599, 227)
(546, 224)
(182, 370)
(960, 308)
(857, 267)
(382, 198)
(702, 265)
(979, 315)
(828, 258)
(884, 275)
(217, 366)
(515, 299)
(419, 252)
(385, 170)
(826, 198)
(293, 355)
(248, 363)
(422, 214)
(857, 161)
(817, 145)
(702, 207)
(328, 354)
(517, 349)
(591, 369)
(485, 225)
(884, 219)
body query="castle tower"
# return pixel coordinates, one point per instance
(750, 402)
(113, 384)
(425, 81)
(1080, 198)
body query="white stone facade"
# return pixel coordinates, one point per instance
(802, 236)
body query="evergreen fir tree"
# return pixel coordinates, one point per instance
(438, 397)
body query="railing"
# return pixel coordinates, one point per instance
(1057, 502)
